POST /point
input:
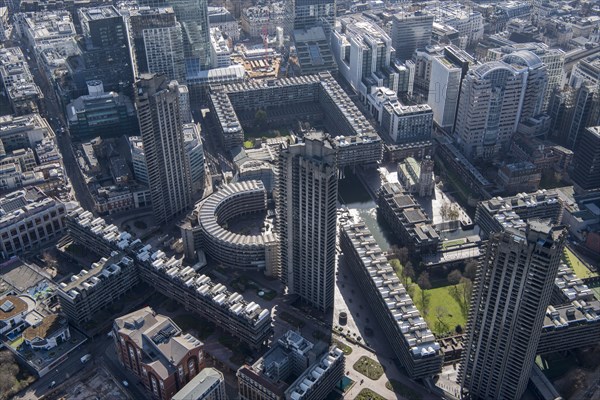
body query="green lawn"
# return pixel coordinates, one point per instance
(440, 297)
(368, 367)
(403, 390)
(451, 243)
(581, 270)
(368, 394)
(248, 144)
(347, 350)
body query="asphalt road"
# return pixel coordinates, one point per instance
(56, 118)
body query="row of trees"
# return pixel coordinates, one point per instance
(11, 377)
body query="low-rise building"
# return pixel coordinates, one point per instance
(101, 114)
(209, 384)
(92, 290)
(257, 21)
(231, 249)
(220, 17)
(354, 138)
(400, 123)
(197, 292)
(24, 95)
(52, 331)
(412, 341)
(407, 219)
(313, 369)
(519, 177)
(155, 349)
(13, 310)
(495, 214)
(313, 52)
(19, 135)
(29, 219)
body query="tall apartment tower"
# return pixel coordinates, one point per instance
(411, 31)
(513, 288)
(587, 160)
(157, 42)
(489, 109)
(306, 208)
(304, 14)
(169, 177)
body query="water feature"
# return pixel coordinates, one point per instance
(352, 194)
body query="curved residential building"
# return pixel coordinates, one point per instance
(236, 249)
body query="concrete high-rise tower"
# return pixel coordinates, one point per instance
(169, 177)
(306, 209)
(513, 288)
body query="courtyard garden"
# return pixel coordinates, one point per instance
(368, 367)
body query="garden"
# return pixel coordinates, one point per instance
(368, 367)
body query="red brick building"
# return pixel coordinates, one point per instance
(153, 347)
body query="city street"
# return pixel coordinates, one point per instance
(55, 116)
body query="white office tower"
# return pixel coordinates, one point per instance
(364, 55)
(159, 115)
(553, 59)
(489, 108)
(537, 81)
(306, 210)
(512, 290)
(444, 91)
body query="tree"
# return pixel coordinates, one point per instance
(466, 290)
(403, 255)
(423, 280)
(397, 267)
(49, 260)
(454, 277)
(453, 213)
(424, 284)
(408, 272)
(260, 118)
(440, 313)
(8, 373)
(471, 269)
(444, 209)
